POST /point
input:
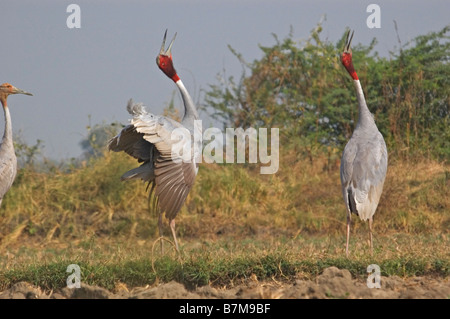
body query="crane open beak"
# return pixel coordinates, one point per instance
(167, 52)
(347, 48)
(19, 91)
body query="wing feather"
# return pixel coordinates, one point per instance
(149, 138)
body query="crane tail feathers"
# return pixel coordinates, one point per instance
(136, 109)
(364, 204)
(351, 202)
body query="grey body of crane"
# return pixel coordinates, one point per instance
(364, 160)
(149, 139)
(8, 160)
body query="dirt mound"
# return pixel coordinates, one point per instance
(332, 283)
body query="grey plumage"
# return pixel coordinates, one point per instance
(363, 171)
(364, 160)
(148, 138)
(8, 166)
(8, 160)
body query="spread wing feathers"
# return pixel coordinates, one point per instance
(145, 172)
(363, 171)
(170, 174)
(173, 181)
(132, 143)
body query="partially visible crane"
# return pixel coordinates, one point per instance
(364, 160)
(149, 139)
(8, 160)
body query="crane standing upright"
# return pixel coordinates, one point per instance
(149, 139)
(364, 160)
(8, 160)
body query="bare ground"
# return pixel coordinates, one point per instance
(332, 283)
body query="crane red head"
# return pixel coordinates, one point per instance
(346, 57)
(164, 59)
(7, 89)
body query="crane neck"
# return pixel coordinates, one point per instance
(365, 119)
(7, 136)
(190, 111)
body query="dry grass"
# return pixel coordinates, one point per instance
(227, 201)
(234, 220)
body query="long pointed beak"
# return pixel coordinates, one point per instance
(168, 51)
(19, 91)
(348, 42)
(163, 43)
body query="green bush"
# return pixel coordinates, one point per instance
(303, 89)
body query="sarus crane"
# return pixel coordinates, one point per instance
(149, 139)
(8, 160)
(364, 160)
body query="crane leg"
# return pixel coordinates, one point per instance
(370, 235)
(172, 227)
(160, 228)
(349, 219)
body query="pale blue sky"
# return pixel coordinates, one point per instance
(74, 73)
